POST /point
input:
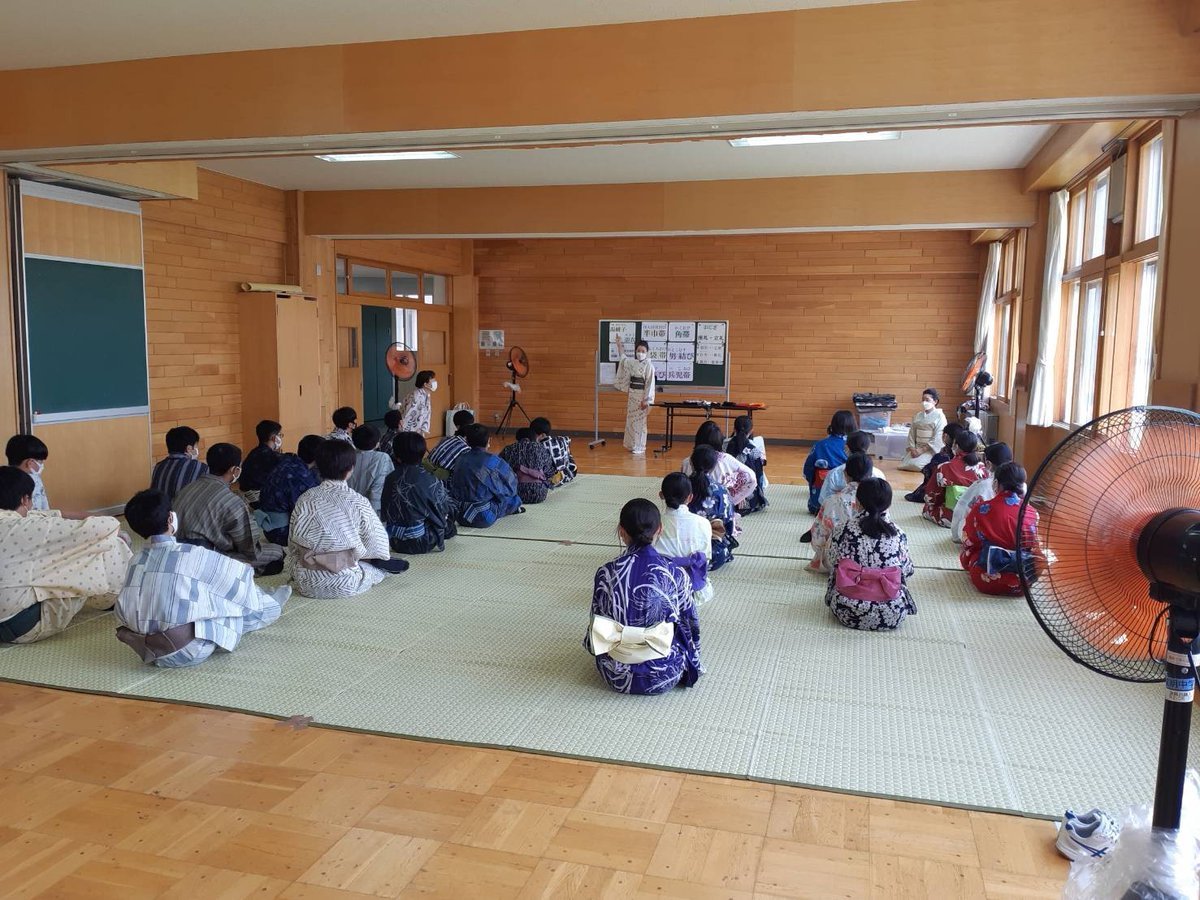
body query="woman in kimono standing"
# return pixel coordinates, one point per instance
(925, 435)
(989, 552)
(644, 631)
(635, 377)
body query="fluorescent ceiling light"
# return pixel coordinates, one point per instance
(388, 156)
(773, 140)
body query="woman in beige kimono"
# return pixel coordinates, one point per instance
(925, 435)
(635, 377)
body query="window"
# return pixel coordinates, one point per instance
(380, 280)
(1143, 352)
(1082, 351)
(339, 274)
(1097, 226)
(406, 328)
(406, 286)
(1150, 190)
(437, 289)
(368, 280)
(1003, 340)
(1078, 213)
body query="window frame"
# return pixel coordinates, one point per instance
(344, 282)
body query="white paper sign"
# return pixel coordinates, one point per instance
(660, 370)
(608, 373)
(626, 331)
(710, 353)
(710, 331)
(679, 370)
(658, 351)
(682, 331)
(655, 331)
(614, 354)
(681, 352)
(490, 339)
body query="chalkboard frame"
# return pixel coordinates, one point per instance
(716, 378)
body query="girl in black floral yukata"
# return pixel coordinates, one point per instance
(871, 550)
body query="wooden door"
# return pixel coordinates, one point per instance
(378, 333)
(349, 353)
(434, 353)
(299, 378)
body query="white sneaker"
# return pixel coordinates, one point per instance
(1089, 836)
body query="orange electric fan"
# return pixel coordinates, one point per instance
(518, 364)
(1117, 553)
(401, 362)
(974, 379)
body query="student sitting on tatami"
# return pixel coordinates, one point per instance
(371, 467)
(262, 459)
(559, 448)
(295, 474)
(686, 538)
(344, 420)
(531, 463)
(182, 464)
(483, 485)
(181, 603)
(211, 515)
(450, 449)
(391, 428)
(418, 511)
(29, 453)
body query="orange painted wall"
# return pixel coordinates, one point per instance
(197, 252)
(813, 317)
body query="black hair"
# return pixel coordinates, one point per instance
(476, 436)
(148, 512)
(409, 448)
(462, 419)
(641, 521)
(858, 467)
(709, 434)
(181, 437)
(21, 447)
(932, 392)
(743, 427)
(425, 376)
(952, 430)
(335, 459)
(676, 488)
(15, 486)
(540, 425)
(998, 454)
(641, 343)
(307, 448)
(344, 417)
(874, 495)
(842, 422)
(266, 429)
(704, 460)
(1012, 477)
(859, 442)
(526, 434)
(365, 437)
(391, 419)
(968, 443)
(223, 457)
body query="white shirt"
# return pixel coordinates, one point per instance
(684, 533)
(978, 492)
(836, 480)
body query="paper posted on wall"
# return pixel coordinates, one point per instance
(710, 353)
(655, 331)
(679, 370)
(608, 373)
(626, 331)
(710, 331)
(682, 331)
(658, 351)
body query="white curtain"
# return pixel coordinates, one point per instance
(987, 300)
(1041, 385)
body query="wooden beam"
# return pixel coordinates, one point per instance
(987, 235)
(1189, 16)
(174, 177)
(863, 57)
(908, 200)
(1068, 151)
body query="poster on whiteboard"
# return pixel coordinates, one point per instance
(710, 331)
(688, 356)
(655, 331)
(682, 331)
(710, 353)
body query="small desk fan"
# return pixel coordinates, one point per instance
(518, 364)
(401, 361)
(975, 379)
(1118, 550)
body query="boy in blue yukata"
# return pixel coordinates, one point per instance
(484, 485)
(827, 454)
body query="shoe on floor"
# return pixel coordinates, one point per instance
(1089, 836)
(917, 496)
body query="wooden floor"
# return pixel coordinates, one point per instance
(106, 797)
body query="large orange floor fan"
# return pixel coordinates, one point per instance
(1114, 580)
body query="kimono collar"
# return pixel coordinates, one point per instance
(162, 539)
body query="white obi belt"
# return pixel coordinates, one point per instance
(630, 644)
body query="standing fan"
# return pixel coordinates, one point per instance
(518, 364)
(975, 379)
(1118, 551)
(402, 363)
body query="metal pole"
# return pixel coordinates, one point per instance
(597, 441)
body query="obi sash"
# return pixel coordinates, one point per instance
(159, 644)
(696, 566)
(923, 432)
(527, 475)
(327, 560)
(630, 644)
(996, 560)
(872, 585)
(636, 383)
(954, 493)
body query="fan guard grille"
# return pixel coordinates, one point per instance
(1093, 495)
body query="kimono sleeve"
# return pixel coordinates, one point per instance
(651, 383)
(374, 535)
(621, 382)
(810, 464)
(503, 478)
(745, 481)
(939, 425)
(905, 561)
(970, 538)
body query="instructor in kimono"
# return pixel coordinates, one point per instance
(635, 377)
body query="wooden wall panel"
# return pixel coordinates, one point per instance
(96, 464)
(75, 231)
(813, 317)
(197, 253)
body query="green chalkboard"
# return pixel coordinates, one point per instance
(707, 337)
(86, 330)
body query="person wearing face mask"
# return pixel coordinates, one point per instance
(925, 435)
(416, 408)
(989, 551)
(635, 377)
(51, 567)
(644, 631)
(182, 465)
(181, 603)
(262, 460)
(212, 515)
(994, 457)
(29, 454)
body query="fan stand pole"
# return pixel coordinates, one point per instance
(1183, 624)
(513, 403)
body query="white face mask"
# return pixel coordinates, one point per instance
(192, 453)
(277, 442)
(36, 467)
(172, 523)
(640, 355)
(432, 386)
(928, 405)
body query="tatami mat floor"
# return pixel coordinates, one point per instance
(969, 704)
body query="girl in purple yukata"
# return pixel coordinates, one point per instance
(644, 631)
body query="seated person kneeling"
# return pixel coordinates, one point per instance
(711, 500)
(211, 515)
(750, 451)
(417, 513)
(371, 467)
(868, 585)
(261, 461)
(837, 510)
(952, 479)
(686, 538)
(559, 448)
(483, 485)
(444, 457)
(644, 631)
(180, 603)
(531, 463)
(994, 457)
(989, 551)
(51, 567)
(337, 546)
(295, 474)
(827, 454)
